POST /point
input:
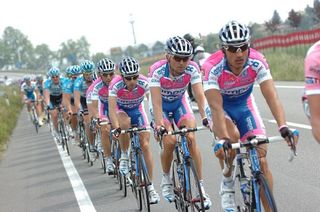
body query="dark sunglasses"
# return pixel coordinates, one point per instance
(178, 59)
(131, 78)
(235, 49)
(106, 75)
(54, 77)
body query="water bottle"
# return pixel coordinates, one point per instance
(245, 190)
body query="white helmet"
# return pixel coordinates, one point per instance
(129, 67)
(234, 33)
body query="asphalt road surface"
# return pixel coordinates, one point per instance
(36, 175)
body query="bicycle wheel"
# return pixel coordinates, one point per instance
(194, 196)
(35, 120)
(65, 139)
(265, 190)
(134, 181)
(143, 183)
(178, 185)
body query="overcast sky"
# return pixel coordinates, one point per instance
(105, 23)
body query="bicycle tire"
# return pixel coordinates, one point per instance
(134, 181)
(35, 120)
(178, 186)
(144, 182)
(194, 196)
(263, 184)
(65, 138)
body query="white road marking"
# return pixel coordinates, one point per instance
(78, 187)
(304, 126)
(286, 86)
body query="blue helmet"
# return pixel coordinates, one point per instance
(54, 71)
(69, 71)
(87, 66)
(75, 70)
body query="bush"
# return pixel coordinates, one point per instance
(8, 113)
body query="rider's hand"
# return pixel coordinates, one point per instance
(287, 134)
(205, 122)
(161, 130)
(116, 132)
(220, 146)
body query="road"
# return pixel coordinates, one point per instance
(33, 174)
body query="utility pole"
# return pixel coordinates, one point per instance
(131, 21)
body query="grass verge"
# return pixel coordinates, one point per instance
(10, 108)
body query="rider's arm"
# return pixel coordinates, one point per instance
(66, 101)
(95, 112)
(157, 105)
(215, 101)
(270, 94)
(314, 107)
(77, 99)
(200, 98)
(112, 101)
(46, 94)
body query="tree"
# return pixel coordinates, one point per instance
(74, 51)
(18, 49)
(157, 48)
(98, 56)
(273, 24)
(294, 18)
(43, 56)
(143, 50)
(316, 8)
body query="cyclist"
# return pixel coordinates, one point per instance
(191, 39)
(40, 105)
(30, 94)
(126, 108)
(200, 55)
(169, 79)
(53, 95)
(81, 85)
(99, 97)
(228, 82)
(311, 99)
(72, 73)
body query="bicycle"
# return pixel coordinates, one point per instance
(34, 116)
(251, 186)
(63, 136)
(97, 143)
(116, 154)
(139, 177)
(186, 185)
(83, 138)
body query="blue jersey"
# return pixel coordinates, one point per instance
(29, 90)
(68, 86)
(54, 89)
(81, 85)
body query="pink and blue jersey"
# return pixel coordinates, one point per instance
(100, 92)
(312, 70)
(90, 89)
(128, 100)
(131, 102)
(173, 89)
(236, 90)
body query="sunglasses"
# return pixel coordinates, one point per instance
(235, 49)
(106, 75)
(54, 77)
(178, 59)
(131, 78)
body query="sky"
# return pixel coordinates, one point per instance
(106, 23)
